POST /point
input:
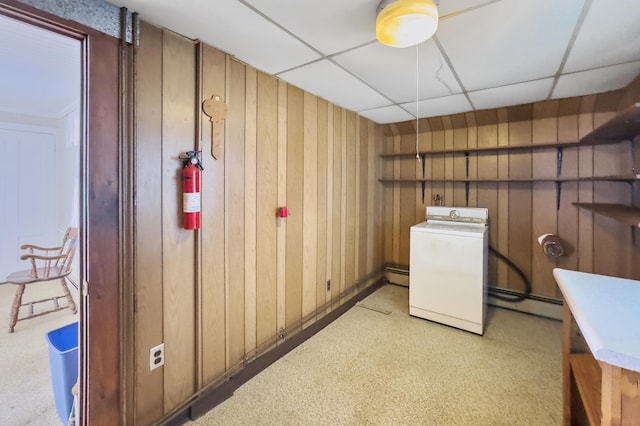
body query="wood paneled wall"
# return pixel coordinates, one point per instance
(221, 296)
(520, 211)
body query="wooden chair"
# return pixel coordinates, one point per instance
(47, 263)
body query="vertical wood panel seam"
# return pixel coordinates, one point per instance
(282, 201)
(343, 202)
(198, 236)
(329, 206)
(226, 228)
(250, 151)
(357, 183)
(162, 200)
(531, 200)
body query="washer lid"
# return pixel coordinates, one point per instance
(451, 228)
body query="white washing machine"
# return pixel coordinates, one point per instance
(448, 267)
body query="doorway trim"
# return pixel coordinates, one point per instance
(101, 210)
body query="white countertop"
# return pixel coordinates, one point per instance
(607, 310)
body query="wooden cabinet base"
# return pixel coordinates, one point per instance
(596, 393)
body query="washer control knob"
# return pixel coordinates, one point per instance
(454, 214)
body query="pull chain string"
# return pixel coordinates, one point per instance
(417, 107)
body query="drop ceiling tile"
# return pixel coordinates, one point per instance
(596, 81)
(484, 43)
(388, 114)
(440, 106)
(330, 26)
(329, 81)
(230, 26)
(515, 94)
(393, 71)
(609, 35)
(447, 8)
(508, 41)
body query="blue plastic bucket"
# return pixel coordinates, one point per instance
(63, 360)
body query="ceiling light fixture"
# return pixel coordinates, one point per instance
(404, 23)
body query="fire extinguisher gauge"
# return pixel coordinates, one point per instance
(192, 157)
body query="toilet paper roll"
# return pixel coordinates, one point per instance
(551, 245)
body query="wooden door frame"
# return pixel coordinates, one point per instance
(102, 401)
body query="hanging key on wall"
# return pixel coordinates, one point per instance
(216, 110)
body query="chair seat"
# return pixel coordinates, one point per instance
(26, 276)
(47, 264)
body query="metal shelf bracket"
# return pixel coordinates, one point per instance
(559, 162)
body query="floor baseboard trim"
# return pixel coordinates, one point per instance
(210, 399)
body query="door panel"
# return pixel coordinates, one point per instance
(27, 184)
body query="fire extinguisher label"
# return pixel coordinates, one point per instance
(191, 202)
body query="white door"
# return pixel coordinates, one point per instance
(28, 194)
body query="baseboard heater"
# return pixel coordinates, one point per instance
(536, 305)
(397, 274)
(532, 304)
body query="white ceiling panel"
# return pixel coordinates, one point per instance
(509, 45)
(509, 41)
(515, 49)
(601, 80)
(515, 94)
(446, 8)
(329, 81)
(609, 35)
(330, 26)
(231, 27)
(389, 114)
(395, 77)
(441, 106)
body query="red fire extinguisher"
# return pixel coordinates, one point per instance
(191, 191)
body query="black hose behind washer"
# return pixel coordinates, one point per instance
(527, 283)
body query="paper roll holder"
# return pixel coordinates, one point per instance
(551, 245)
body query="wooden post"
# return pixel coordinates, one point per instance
(611, 394)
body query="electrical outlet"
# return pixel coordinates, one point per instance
(328, 285)
(156, 357)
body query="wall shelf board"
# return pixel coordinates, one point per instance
(624, 126)
(626, 214)
(481, 150)
(401, 180)
(619, 178)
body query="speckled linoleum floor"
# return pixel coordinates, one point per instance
(368, 368)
